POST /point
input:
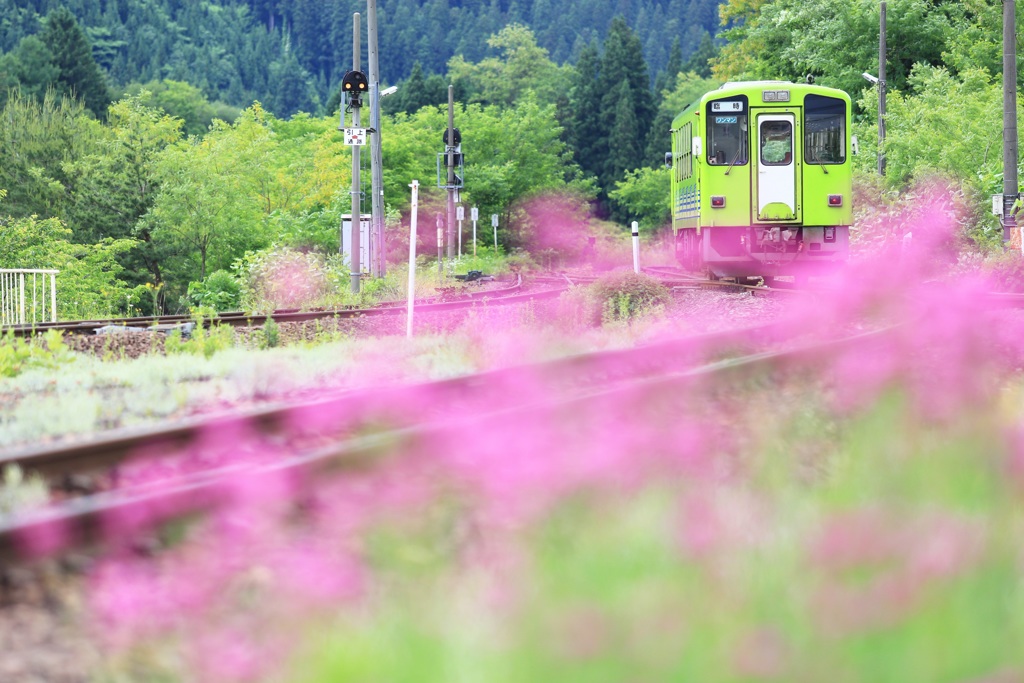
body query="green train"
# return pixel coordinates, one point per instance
(762, 180)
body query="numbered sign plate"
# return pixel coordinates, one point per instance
(355, 136)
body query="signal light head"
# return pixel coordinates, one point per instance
(717, 201)
(835, 200)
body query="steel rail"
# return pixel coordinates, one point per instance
(243, 319)
(85, 520)
(61, 460)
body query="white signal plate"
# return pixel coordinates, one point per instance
(355, 136)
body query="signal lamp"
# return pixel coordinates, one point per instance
(717, 201)
(835, 200)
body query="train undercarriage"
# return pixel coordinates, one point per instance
(764, 251)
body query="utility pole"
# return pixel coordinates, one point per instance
(881, 91)
(451, 171)
(357, 213)
(1010, 186)
(378, 261)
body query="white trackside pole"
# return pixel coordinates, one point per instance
(412, 257)
(636, 248)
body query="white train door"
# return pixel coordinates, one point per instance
(776, 167)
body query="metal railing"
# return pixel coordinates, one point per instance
(27, 296)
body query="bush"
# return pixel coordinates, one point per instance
(618, 297)
(219, 291)
(285, 278)
(627, 295)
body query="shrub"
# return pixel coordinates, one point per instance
(220, 291)
(623, 296)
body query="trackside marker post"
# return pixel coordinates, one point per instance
(494, 224)
(460, 215)
(636, 248)
(474, 213)
(412, 258)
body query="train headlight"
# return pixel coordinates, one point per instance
(717, 201)
(835, 200)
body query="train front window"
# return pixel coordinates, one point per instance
(776, 143)
(824, 130)
(727, 132)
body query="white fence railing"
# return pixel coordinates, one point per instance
(28, 296)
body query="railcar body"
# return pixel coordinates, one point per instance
(762, 180)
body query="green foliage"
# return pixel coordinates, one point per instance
(184, 101)
(220, 291)
(271, 337)
(616, 298)
(522, 67)
(279, 278)
(87, 285)
(644, 197)
(836, 40)
(78, 75)
(36, 139)
(927, 137)
(18, 355)
(204, 341)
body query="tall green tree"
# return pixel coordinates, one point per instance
(588, 136)
(79, 75)
(626, 84)
(116, 184)
(701, 59)
(29, 67)
(37, 138)
(522, 67)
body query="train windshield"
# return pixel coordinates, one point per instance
(824, 130)
(727, 132)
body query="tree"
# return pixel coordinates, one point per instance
(626, 87)
(79, 74)
(700, 61)
(113, 187)
(686, 88)
(625, 139)
(29, 67)
(36, 139)
(588, 135)
(835, 40)
(644, 196)
(667, 76)
(89, 284)
(522, 67)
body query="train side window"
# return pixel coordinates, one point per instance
(824, 130)
(727, 142)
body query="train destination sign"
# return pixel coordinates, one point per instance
(726, 106)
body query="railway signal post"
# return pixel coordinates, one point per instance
(1010, 182)
(353, 86)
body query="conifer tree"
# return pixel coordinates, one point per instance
(79, 74)
(588, 134)
(625, 83)
(698, 62)
(625, 138)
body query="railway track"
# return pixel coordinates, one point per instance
(327, 435)
(514, 293)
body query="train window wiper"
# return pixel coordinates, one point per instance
(816, 160)
(734, 160)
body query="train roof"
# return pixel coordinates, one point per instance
(757, 87)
